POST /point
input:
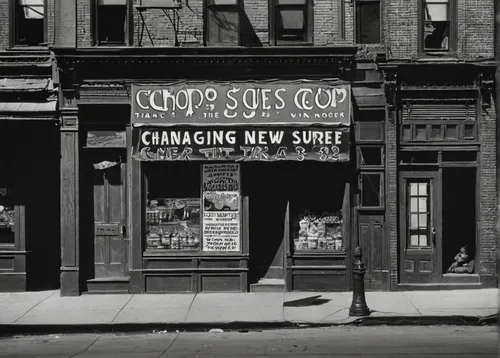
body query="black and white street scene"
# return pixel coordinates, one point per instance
(249, 178)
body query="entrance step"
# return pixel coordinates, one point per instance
(461, 278)
(268, 285)
(108, 285)
(438, 286)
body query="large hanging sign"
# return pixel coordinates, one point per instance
(221, 207)
(268, 144)
(231, 103)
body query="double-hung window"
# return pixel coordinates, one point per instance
(368, 29)
(110, 24)
(222, 25)
(438, 26)
(29, 22)
(291, 22)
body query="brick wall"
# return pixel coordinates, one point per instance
(488, 234)
(156, 26)
(475, 28)
(84, 23)
(392, 195)
(4, 24)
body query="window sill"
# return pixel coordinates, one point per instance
(293, 43)
(28, 48)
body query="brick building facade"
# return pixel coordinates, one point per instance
(419, 184)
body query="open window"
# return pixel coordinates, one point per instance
(29, 23)
(222, 25)
(291, 22)
(438, 26)
(111, 22)
(368, 22)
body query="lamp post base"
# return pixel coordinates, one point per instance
(358, 306)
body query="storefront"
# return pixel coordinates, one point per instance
(29, 180)
(217, 186)
(243, 185)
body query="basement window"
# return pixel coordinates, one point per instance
(111, 22)
(29, 22)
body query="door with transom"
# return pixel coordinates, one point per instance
(420, 227)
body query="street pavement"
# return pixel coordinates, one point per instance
(29, 312)
(340, 341)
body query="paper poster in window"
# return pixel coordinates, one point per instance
(221, 207)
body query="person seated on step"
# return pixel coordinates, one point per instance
(464, 262)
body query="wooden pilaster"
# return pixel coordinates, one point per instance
(70, 277)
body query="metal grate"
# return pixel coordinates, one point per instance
(447, 111)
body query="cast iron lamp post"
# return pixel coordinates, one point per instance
(358, 306)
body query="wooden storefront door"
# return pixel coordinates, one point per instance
(110, 215)
(420, 223)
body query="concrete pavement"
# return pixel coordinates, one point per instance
(326, 342)
(47, 311)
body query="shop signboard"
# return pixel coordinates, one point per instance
(221, 207)
(269, 144)
(303, 102)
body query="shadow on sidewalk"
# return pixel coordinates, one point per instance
(308, 301)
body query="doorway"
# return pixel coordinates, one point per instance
(265, 187)
(420, 224)
(105, 201)
(459, 213)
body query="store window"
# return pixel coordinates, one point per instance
(418, 214)
(438, 26)
(291, 22)
(368, 22)
(316, 216)
(7, 217)
(315, 231)
(110, 22)
(223, 22)
(193, 207)
(173, 206)
(29, 23)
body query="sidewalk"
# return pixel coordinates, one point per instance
(44, 312)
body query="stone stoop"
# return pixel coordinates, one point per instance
(268, 285)
(107, 285)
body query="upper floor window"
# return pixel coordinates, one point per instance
(291, 22)
(439, 26)
(111, 22)
(368, 22)
(222, 22)
(29, 22)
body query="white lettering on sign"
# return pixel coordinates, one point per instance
(253, 101)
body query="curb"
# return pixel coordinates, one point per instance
(44, 329)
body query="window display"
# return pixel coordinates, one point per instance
(7, 218)
(173, 224)
(318, 232)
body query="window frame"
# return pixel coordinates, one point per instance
(355, 16)
(207, 4)
(409, 213)
(453, 38)
(13, 9)
(128, 31)
(309, 28)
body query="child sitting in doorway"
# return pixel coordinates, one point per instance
(464, 262)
